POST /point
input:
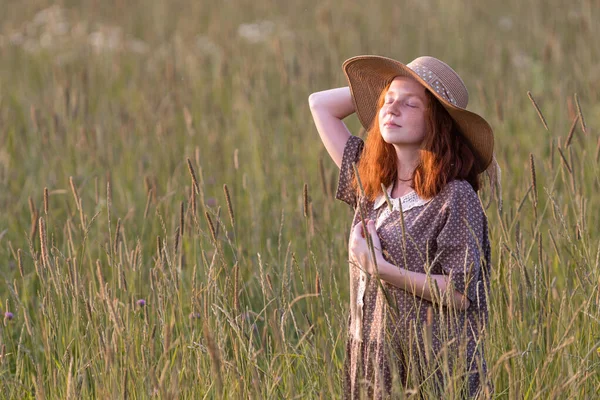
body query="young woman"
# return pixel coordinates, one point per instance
(419, 248)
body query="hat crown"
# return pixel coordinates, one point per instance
(441, 78)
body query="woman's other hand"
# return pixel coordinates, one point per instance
(359, 249)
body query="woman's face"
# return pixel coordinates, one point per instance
(402, 116)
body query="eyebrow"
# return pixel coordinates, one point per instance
(407, 94)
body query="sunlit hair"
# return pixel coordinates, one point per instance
(444, 155)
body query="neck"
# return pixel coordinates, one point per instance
(407, 158)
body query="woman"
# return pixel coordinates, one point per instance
(419, 251)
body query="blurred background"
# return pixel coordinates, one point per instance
(109, 105)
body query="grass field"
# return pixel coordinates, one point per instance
(124, 277)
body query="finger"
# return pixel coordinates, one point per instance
(373, 232)
(361, 230)
(357, 231)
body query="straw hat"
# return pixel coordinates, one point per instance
(369, 75)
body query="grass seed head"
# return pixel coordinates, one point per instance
(537, 109)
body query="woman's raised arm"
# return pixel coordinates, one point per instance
(328, 109)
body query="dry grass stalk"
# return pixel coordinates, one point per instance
(322, 176)
(305, 199)
(193, 203)
(38, 383)
(108, 193)
(311, 220)
(597, 150)
(74, 191)
(181, 218)
(362, 214)
(211, 227)
(28, 323)
(533, 183)
(537, 109)
(70, 241)
(193, 174)
(177, 236)
(317, 284)
(236, 299)
(540, 248)
(32, 210)
(82, 216)
(564, 159)
(70, 389)
(236, 160)
(43, 243)
(100, 280)
(213, 353)
(117, 237)
(159, 249)
(34, 227)
(572, 131)
(229, 205)
(580, 114)
(147, 208)
(20, 262)
(269, 283)
(46, 201)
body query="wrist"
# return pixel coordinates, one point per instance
(379, 258)
(383, 267)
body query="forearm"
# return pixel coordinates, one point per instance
(335, 102)
(328, 108)
(418, 284)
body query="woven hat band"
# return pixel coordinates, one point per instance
(441, 78)
(433, 81)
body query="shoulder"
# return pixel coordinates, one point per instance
(459, 190)
(459, 198)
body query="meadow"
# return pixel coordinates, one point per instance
(168, 227)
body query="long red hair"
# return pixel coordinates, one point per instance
(444, 155)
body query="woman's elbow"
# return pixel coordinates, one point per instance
(313, 100)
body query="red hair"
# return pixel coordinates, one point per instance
(444, 155)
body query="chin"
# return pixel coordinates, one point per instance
(389, 137)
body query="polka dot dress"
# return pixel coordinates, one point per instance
(398, 341)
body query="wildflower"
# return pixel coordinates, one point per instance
(141, 302)
(211, 202)
(8, 316)
(194, 315)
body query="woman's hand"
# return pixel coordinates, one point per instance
(359, 250)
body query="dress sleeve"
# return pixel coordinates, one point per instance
(460, 242)
(345, 190)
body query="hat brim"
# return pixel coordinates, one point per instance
(368, 76)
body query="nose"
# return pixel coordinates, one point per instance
(394, 109)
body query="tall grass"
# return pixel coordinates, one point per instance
(123, 276)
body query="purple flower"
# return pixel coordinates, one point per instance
(194, 315)
(8, 315)
(141, 302)
(211, 202)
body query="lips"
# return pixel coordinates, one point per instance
(391, 124)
